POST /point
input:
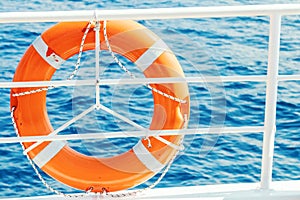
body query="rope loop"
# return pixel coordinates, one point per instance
(149, 142)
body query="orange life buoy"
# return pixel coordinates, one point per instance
(142, 47)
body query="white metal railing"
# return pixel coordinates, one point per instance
(212, 130)
(271, 100)
(90, 82)
(155, 13)
(273, 11)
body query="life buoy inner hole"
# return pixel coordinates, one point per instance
(132, 101)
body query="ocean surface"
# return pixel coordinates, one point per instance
(204, 47)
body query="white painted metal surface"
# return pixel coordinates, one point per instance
(271, 101)
(155, 13)
(86, 136)
(203, 79)
(97, 67)
(266, 189)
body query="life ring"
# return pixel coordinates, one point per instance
(142, 47)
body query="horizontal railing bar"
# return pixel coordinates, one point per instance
(153, 13)
(130, 81)
(202, 79)
(288, 78)
(211, 130)
(25, 84)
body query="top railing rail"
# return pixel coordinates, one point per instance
(153, 13)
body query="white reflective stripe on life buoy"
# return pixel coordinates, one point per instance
(148, 57)
(47, 53)
(147, 158)
(48, 153)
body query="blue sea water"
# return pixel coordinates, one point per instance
(210, 46)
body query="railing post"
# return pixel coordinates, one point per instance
(97, 64)
(271, 101)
